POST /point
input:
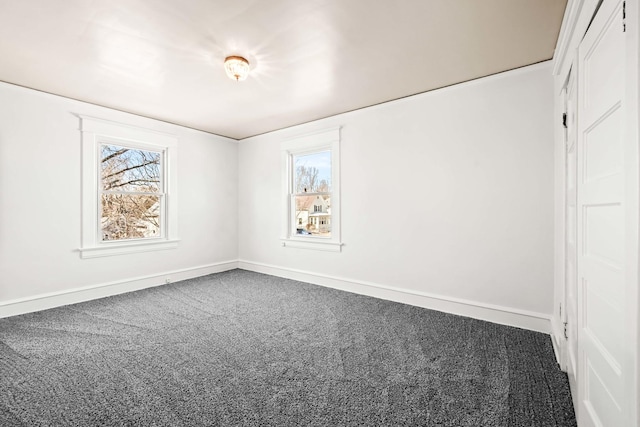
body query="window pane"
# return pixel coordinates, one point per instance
(312, 173)
(128, 169)
(130, 216)
(313, 215)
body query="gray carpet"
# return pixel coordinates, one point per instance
(246, 349)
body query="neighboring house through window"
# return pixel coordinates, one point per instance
(129, 189)
(312, 191)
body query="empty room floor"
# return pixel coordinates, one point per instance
(245, 349)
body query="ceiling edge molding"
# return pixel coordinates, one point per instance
(454, 86)
(44, 92)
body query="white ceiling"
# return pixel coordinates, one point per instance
(310, 58)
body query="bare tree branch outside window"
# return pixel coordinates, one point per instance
(132, 192)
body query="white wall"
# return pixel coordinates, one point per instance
(448, 193)
(40, 189)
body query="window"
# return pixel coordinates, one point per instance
(129, 189)
(312, 192)
(131, 193)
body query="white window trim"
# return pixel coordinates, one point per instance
(96, 131)
(328, 139)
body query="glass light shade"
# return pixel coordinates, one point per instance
(237, 67)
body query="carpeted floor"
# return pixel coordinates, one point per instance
(246, 349)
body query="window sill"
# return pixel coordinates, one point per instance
(111, 249)
(312, 243)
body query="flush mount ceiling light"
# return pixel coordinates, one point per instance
(237, 67)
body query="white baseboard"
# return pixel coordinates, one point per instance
(557, 339)
(556, 349)
(72, 296)
(493, 313)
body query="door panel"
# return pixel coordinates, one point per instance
(602, 149)
(601, 210)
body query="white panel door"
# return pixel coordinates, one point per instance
(571, 223)
(601, 217)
